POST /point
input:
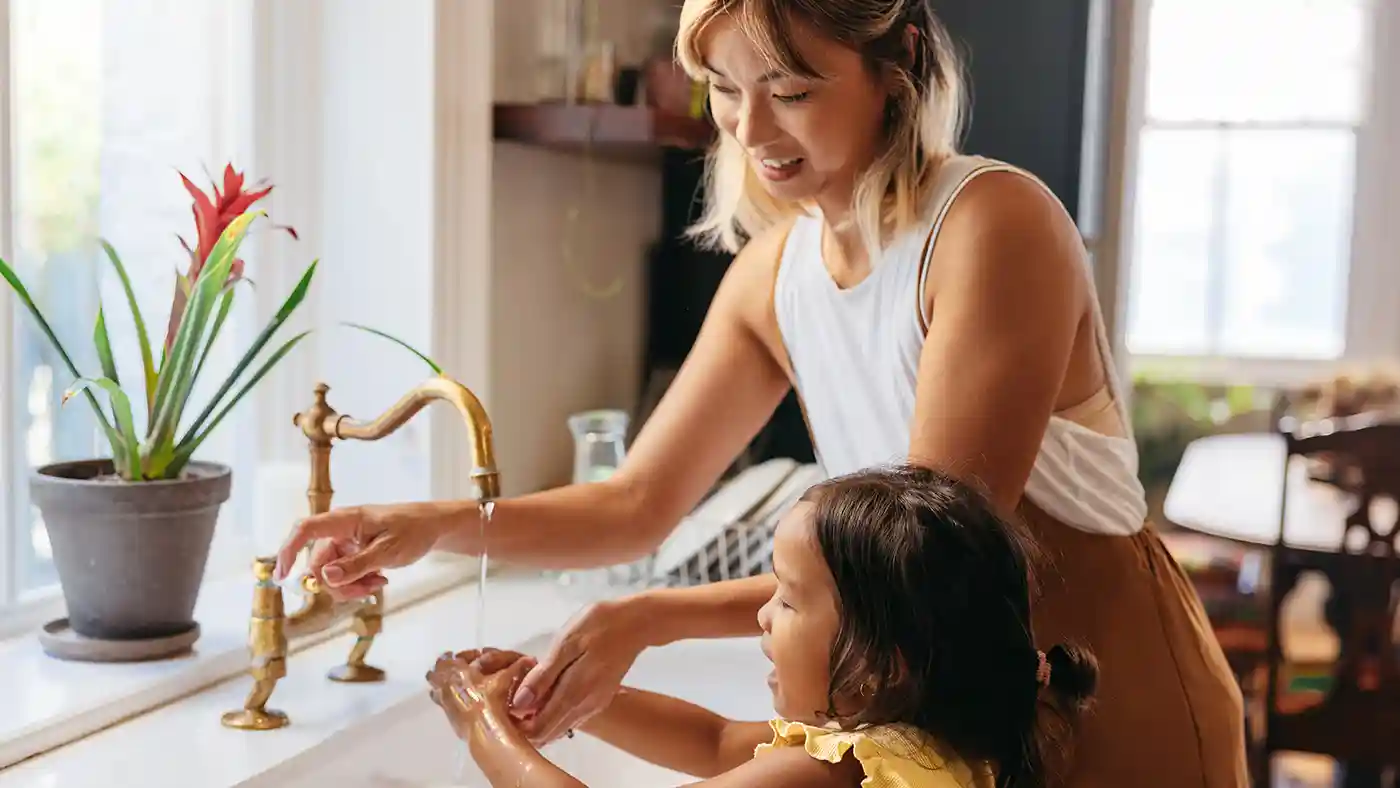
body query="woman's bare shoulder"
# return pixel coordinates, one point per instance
(1008, 224)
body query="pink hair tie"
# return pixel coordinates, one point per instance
(1042, 671)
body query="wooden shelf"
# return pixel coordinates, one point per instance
(608, 130)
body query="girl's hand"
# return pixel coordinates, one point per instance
(582, 672)
(470, 685)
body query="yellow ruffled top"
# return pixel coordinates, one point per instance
(892, 756)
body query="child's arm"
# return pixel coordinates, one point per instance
(507, 758)
(676, 735)
(682, 737)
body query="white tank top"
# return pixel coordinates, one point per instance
(855, 359)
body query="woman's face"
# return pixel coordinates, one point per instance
(807, 139)
(800, 622)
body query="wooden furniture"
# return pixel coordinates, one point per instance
(1356, 719)
(1231, 486)
(611, 131)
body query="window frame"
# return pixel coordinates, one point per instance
(237, 84)
(9, 537)
(1372, 327)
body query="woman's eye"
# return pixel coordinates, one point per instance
(722, 89)
(792, 98)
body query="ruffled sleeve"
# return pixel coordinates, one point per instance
(890, 756)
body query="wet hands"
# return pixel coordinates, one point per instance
(474, 687)
(352, 545)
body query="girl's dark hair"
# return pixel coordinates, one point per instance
(935, 595)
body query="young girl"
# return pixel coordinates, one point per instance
(901, 650)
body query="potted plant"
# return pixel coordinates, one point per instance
(131, 532)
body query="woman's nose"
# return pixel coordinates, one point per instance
(753, 125)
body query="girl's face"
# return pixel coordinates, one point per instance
(807, 139)
(800, 622)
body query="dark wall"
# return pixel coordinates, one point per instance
(1026, 61)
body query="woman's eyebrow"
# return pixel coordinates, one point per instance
(769, 77)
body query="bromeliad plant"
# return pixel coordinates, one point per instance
(204, 297)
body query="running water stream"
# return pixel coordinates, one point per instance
(485, 510)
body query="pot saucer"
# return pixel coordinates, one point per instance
(60, 641)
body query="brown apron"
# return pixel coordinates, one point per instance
(1168, 712)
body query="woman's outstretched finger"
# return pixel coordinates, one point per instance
(339, 524)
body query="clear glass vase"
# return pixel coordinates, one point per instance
(600, 446)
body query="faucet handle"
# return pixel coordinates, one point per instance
(264, 566)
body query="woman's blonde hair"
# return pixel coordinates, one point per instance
(923, 119)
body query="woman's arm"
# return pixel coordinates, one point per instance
(676, 735)
(1009, 290)
(728, 387)
(714, 610)
(726, 390)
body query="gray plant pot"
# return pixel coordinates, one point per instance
(130, 556)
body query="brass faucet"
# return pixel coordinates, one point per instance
(270, 627)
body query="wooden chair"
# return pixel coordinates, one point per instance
(1356, 718)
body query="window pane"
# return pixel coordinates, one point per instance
(1259, 60)
(1288, 242)
(111, 99)
(1167, 310)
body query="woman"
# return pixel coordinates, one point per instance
(923, 304)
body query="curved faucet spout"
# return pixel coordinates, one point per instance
(320, 424)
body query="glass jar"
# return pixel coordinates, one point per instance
(600, 446)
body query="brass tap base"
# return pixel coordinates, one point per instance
(255, 720)
(355, 674)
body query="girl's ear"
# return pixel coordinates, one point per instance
(901, 666)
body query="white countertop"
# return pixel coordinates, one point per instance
(183, 744)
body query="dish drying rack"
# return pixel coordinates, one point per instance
(730, 534)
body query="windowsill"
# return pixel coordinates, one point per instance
(1235, 371)
(55, 702)
(138, 751)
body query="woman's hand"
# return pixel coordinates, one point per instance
(358, 541)
(472, 685)
(582, 672)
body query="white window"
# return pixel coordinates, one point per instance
(1246, 185)
(107, 102)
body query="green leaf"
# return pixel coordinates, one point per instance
(128, 461)
(225, 306)
(285, 311)
(104, 348)
(176, 377)
(24, 297)
(192, 441)
(431, 364)
(148, 366)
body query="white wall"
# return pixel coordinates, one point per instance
(377, 269)
(430, 231)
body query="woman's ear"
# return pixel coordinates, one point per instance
(912, 46)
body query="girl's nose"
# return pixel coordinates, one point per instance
(765, 616)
